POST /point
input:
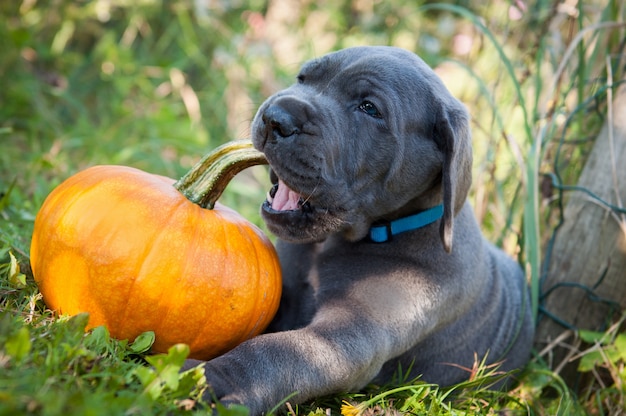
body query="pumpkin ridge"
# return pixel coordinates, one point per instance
(228, 251)
(144, 264)
(196, 236)
(231, 233)
(234, 252)
(252, 325)
(138, 182)
(191, 247)
(202, 328)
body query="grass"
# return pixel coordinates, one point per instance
(156, 85)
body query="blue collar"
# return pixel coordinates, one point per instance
(381, 233)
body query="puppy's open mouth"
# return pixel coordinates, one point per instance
(297, 216)
(281, 198)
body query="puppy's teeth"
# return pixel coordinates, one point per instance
(269, 197)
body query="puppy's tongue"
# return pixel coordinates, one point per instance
(285, 199)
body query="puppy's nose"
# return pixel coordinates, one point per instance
(280, 122)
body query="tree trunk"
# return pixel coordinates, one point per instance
(589, 249)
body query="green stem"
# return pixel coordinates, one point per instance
(206, 181)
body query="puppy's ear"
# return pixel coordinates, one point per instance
(454, 139)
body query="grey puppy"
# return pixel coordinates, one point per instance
(378, 276)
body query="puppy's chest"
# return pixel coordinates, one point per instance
(318, 273)
(329, 271)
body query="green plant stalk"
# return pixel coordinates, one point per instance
(530, 216)
(531, 225)
(206, 181)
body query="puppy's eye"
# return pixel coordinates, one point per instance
(300, 78)
(370, 109)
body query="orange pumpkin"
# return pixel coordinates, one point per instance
(135, 253)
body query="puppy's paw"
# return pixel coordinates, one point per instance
(222, 388)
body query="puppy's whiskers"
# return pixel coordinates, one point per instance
(306, 200)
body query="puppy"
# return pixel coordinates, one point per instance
(384, 265)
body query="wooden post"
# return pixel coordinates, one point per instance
(590, 247)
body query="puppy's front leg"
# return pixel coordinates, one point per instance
(330, 355)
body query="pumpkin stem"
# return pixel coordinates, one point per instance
(206, 181)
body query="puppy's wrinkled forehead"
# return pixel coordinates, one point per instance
(390, 65)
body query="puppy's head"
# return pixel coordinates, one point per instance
(366, 134)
